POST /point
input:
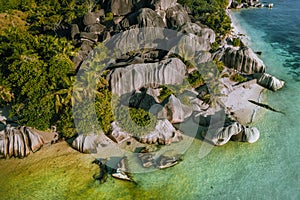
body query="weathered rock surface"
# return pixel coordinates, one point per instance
(145, 17)
(90, 18)
(164, 133)
(117, 135)
(19, 141)
(268, 81)
(176, 17)
(206, 35)
(237, 131)
(89, 36)
(133, 77)
(163, 4)
(122, 7)
(149, 18)
(95, 28)
(243, 60)
(74, 31)
(175, 111)
(86, 143)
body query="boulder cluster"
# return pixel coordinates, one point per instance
(152, 57)
(137, 75)
(19, 142)
(245, 4)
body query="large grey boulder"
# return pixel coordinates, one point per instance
(206, 35)
(133, 77)
(164, 133)
(149, 18)
(176, 17)
(122, 7)
(89, 36)
(36, 141)
(74, 31)
(144, 17)
(90, 18)
(19, 141)
(135, 39)
(163, 4)
(175, 111)
(86, 143)
(89, 143)
(243, 60)
(117, 134)
(234, 131)
(95, 28)
(268, 81)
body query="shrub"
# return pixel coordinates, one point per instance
(220, 65)
(195, 79)
(165, 92)
(135, 121)
(237, 78)
(236, 42)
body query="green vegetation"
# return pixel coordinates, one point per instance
(109, 16)
(165, 92)
(36, 72)
(238, 78)
(135, 121)
(236, 42)
(220, 65)
(210, 13)
(195, 79)
(104, 105)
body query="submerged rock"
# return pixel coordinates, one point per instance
(146, 159)
(122, 171)
(168, 159)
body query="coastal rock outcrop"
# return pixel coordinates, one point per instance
(207, 35)
(268, 81)
(145, 17)
(164, 133)
(121, 7)
(133, 77)
(175, 111)
(235, 131)
(19, 141)
(117, 134)
(163, 4)
(243, 60)
(176, 16)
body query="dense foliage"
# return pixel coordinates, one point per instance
(36, 73)
(210, 13)
(135, 120)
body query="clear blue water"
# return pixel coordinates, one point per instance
(267, 169)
